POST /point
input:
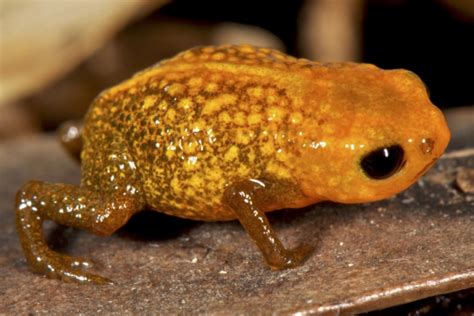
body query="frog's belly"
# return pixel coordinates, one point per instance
(194, 195)
(203, 213)
(192, 186)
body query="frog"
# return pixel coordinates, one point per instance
(232, 132)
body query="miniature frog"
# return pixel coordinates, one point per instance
(233, 132)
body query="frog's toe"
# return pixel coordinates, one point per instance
(294, 257)
(78, 276)
(77, 262)
(66, 268)
(300, 254)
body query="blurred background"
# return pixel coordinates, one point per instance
(56, 56)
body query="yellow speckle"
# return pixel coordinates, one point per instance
(215, 105)
(170, 153)
(211, 87)
(126, 101)
(244, 106)
(256, 92)
(191, 163)
(217, 77)
(175, 185)
(329, 130)
(190, 148)
(170, 115)
(278, 55)
(296, 118)
(254, 119)
(175, 89)
(132, 90)
(163, 105)
(200, 99)
(196, 181)
(218, 56)
(185, 103)
(278, 169)
(282, 155)
(198, 126)
(231, 154)
(195, 82)
(251, 156)
(247, 49)
(98, 111)
(208, 49)
(283, 102)
(214, 174)
(158, 170)
(242, 137)
(325, 107)
(243, 170)
(240, 118)
(256, 108)
(149, 101)
(163, 83)
(188, 55)
(190, 192)
(272, 96)
(268, 148)
(275, 114)
(224, 117)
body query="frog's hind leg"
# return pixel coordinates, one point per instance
(101, 208)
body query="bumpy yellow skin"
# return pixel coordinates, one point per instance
(219, 133)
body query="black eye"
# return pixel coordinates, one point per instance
(383, 162)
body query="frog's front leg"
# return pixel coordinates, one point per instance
(69, 205)
(248, 199)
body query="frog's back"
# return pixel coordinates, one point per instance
(206, 118)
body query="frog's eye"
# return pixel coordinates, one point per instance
(383, 162)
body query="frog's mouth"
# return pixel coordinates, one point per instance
(428, 166)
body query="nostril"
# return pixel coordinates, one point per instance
(427, 145)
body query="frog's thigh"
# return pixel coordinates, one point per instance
(101, 208)
(68, 205)
(247, 199)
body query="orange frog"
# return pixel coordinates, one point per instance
(232, 132)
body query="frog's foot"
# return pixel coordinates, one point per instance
(292, 258)
(246, 200)
(64, 267)
(68, 205)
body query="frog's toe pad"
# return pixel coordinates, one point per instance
(67, 268)
(77, 262)
(294, 257)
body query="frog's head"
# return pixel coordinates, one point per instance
(383, 134)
